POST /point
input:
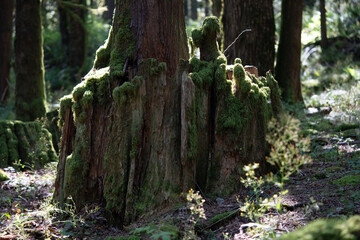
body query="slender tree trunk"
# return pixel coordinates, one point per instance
(206, 7)
(194, 9)
(6, 19)
(216, 7)
(323, 25)
(289, 51)
(108, 14)
(72, 18)
(256, 47)
(30, 101)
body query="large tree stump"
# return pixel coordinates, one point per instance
(139, 131)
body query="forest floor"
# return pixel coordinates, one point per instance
(327, 187)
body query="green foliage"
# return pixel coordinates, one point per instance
(348, 180)
(288, 147)
(332, 229)
(3, 176)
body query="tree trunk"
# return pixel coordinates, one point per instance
(72, 14)
(256, 47)
(6, 19)
(108, 14)
(289, 51)
(194, 9)
(186, 8)
(206, 7)
(138, 131)
(30, 100)
(323, 25)
(216, 7)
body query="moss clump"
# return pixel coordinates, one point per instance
(25, 141)
(205, 39)
(3, 176)
(65, 103)
(332, 229)
(156, 68)
(123, 48)
(348, 180)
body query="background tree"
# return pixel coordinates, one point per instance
(288, 65)
(256, 47)
(206, 5)
(216, 6)
(138, 131)
(108, 14)
(6, 19)
(194, 9)
(72, 15)
(186, 8)
(30, 101)
(323, 24)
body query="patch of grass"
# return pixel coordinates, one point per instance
(348, 180)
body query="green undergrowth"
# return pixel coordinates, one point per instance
(3, 176)
(25, 144)
(348, 180)
(331, 229)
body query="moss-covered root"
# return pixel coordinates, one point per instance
(3, 176)
(328, 229)
(205, 39)
(27, 141)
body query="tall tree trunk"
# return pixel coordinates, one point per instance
(206, 7)
(6, 19)
(256, 47)
(323, 24)
(30, 101)
(288, 58)
(138, 131)
(194, 9)
(108, 14)
(72, 15)
(216, 7)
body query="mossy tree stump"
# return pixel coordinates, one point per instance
(139, 130)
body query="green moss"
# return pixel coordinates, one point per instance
(87, 99)
(348, 180)
(27, 141)
(205, 38)
(332, 229)
(222, 216)
(237, 61)
(156, 68)
(65, 103)
(124, 46)
(3, 176)
(239, 77)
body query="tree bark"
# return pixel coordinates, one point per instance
(6, 19)
(30, 100)
(256, 47)
(194, 9)
(323, 24)
(289, 51)
(138, 131)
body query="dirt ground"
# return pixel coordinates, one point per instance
(328, 187)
